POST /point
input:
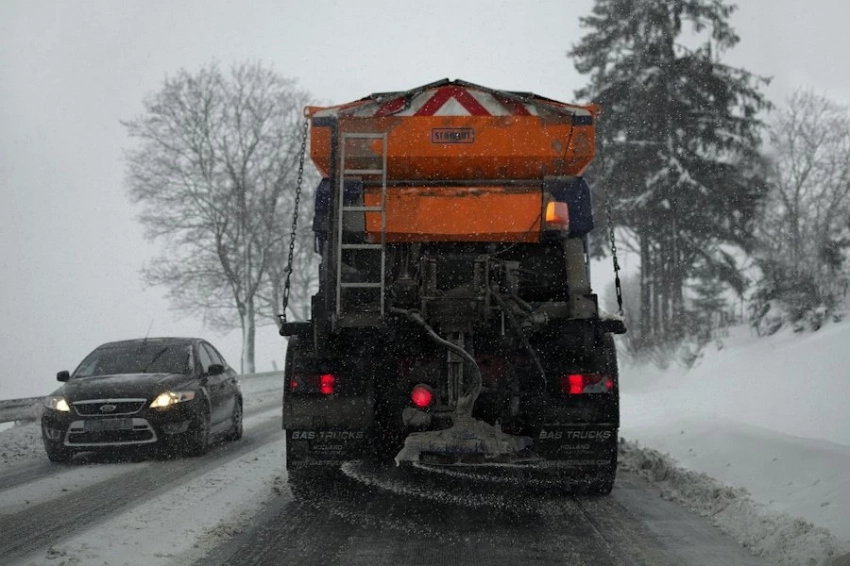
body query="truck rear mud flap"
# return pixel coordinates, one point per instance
(577, 447)
(467, 442)
(305, 448)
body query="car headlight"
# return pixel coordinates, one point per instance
(56, 403)
(169, 398)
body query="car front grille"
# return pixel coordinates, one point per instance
(138, 431)
(111, 437)
(108, 407)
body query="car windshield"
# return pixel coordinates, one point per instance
(136, 358)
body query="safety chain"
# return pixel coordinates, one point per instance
(617, 284)
(286, 283)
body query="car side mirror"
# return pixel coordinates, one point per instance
(215, 369)
(63, 376)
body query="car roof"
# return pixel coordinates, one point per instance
(161, 341)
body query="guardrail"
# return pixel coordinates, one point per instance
(29, 408)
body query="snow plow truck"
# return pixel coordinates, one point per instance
(454, 323)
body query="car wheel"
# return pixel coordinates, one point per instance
(199, 437)
(57, 454)
(236, 428)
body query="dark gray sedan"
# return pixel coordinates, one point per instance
(172, 393)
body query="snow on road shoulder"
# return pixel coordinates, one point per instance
(20, 443)
(799, 476)
(768, 416)
(182, 525)
(779, 538)
(795, 384)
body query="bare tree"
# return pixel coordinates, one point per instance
(811, 193)
(803, 232)
(305, 271)
(216, 155)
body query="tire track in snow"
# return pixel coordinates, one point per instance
(32, 471)
(385, 518)
(59, 519)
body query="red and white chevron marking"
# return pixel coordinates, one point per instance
(449, 100)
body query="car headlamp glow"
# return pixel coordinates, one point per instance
(169, 398)
(57, 404)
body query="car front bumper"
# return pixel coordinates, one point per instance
(145, 427)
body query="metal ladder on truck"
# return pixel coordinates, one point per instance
(344, 318)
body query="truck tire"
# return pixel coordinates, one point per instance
(603, 485)
(387, 438)
(314, 483)
(300, 485)
(602, 482)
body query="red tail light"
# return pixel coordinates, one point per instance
(324, 384)
(422, 395)
(577, 383)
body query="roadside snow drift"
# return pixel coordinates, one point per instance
(766, 416)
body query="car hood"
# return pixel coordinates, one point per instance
(123, 386)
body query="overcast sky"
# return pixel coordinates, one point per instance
(70, 248)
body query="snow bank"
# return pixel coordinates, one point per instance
(803, 477)
(779, 538)
(796, 384)
(768, 416)
(19, 443)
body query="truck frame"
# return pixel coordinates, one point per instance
(454, 324)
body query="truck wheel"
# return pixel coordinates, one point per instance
(314, 482)
(602, 484)
(387, 443)
(299, 485)
(601, 480)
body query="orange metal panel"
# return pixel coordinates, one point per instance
(463, 147)
(457, 214)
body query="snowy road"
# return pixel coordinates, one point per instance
(233, 507)
(395, 517)
(44, 504)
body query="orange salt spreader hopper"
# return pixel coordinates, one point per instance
(463, 162)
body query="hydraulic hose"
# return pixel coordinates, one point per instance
(467, 401)
(520, 334)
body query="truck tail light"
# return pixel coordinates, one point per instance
(422, 395)
(556, 218)
(557, 215)
(324, 384)
(578, 383)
